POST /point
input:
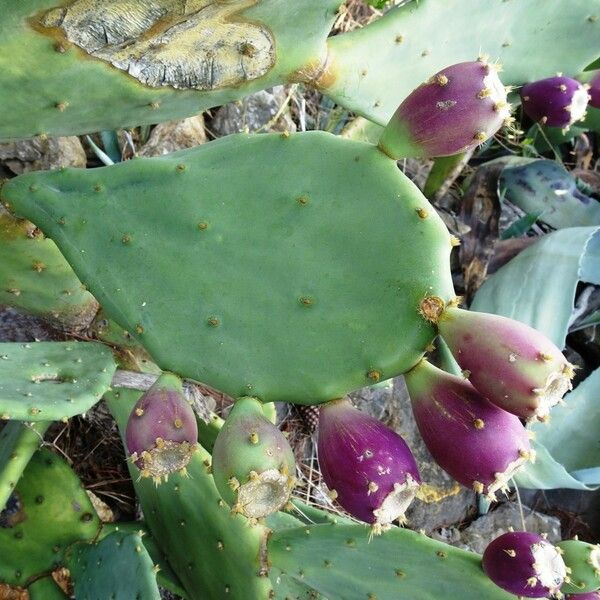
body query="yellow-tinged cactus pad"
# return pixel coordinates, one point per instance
(71, 67)
(300, 282)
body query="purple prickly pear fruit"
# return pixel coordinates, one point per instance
(524, 564)
(556, 101)
(368, 468)
(456, 110)
(595, 91)
(477, 443)
(162, 433)
(511, 364)
(587, 596)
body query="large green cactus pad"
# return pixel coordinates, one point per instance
(18, 443)
(340, 561)
(50, 511)
(371, 70)
(48, 381)
(286, 268)
(214, 554)
(35, 278)
(118, 567)
(104, 64)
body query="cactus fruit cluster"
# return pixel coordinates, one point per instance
(321, 272)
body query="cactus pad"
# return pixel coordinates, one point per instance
(35, 278)
(417, 39)
(51, 511)
(118, 567)
(300, 287)
(74, 67)
(339, 561)
(48, 381)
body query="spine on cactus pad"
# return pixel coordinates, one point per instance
(524, 564)
(477, 443)
(454, 111)
(368, 468)
(511, 364)
(162, 433)
(253, 464)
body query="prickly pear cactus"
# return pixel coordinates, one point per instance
(418, 39)
(49, 511)
(46, 381)
(215, 554)
(35, 278)
(324, 260)
(118, 567)
(93, 65)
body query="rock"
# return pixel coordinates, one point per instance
(19, 327)
(175, 135)
(252, 113)
(42, 153)
(488, 527)
(441, 501)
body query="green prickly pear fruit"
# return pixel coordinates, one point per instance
(583, 565)
(253, 464)
(162, 433)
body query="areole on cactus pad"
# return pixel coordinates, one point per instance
(302, 287)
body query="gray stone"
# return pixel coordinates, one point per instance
(19, 327)
(488, 527)
(252, 113)
(42, 153)
(442, 501)
(175, 135)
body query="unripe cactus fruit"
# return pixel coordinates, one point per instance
(595, 91)
(556, 101)
(524, 564)
(457, 109)
(368, 468)
(161, 433)
(252, 462)
(583, 565)
(477, 443)
(511, 364)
